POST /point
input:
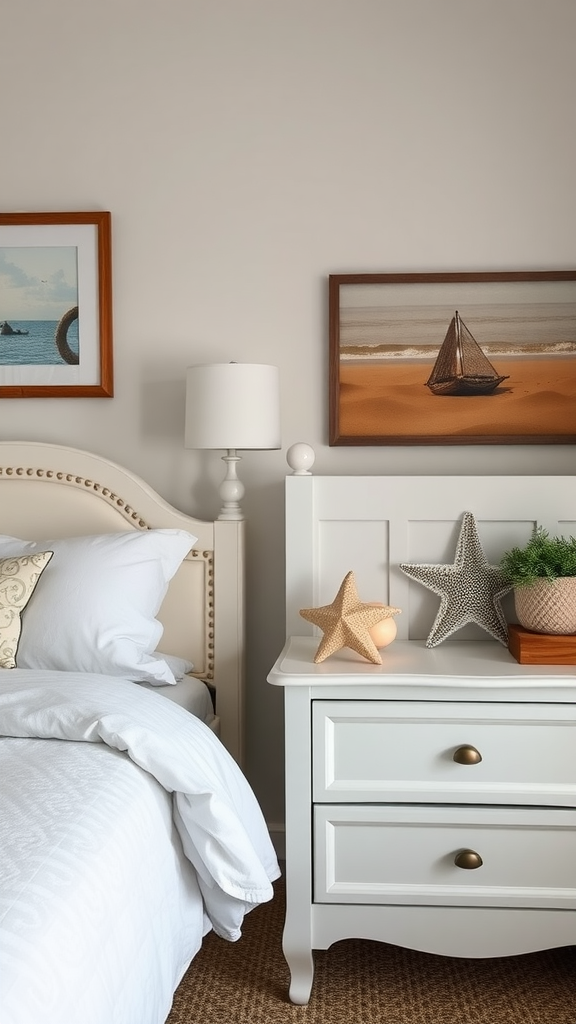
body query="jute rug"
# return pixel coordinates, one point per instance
(361, 982)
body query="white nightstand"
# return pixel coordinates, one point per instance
(430, 801)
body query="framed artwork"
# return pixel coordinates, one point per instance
(55, 305)
(459, 358)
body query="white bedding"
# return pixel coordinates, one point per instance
(190, 693)
(100, 911)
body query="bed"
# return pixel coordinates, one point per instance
(430, 795)
(128, 828)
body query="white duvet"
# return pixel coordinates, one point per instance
(214, 811)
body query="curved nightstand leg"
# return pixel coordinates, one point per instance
(297, 936)
(301, 965)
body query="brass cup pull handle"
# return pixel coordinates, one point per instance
(467, 754)
(468, 859)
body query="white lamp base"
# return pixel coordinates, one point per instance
(231, 489)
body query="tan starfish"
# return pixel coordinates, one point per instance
(347, 621)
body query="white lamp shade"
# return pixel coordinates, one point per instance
(232, 406)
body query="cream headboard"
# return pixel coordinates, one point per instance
(50, 491)
(370, 525)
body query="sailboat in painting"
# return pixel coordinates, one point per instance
(461, 367)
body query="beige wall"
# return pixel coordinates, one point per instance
(248, 148)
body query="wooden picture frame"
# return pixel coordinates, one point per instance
(56, 305)
(386, 384)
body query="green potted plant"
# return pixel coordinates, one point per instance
(543, 575)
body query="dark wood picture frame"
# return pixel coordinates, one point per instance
(40, 302)
(385, 334)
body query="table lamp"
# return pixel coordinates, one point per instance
(232, 406)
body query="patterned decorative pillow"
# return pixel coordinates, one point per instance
(18, 579)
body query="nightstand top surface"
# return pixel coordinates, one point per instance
(454, 665)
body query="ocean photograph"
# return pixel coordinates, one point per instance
(38, 285)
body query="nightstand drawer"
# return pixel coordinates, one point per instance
(514, 857)
(428, 751)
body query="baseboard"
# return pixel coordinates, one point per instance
(278, 837)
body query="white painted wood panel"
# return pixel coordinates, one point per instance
(372, 524)
(397, 750)
(407, 854)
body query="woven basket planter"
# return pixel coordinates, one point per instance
(547, 606)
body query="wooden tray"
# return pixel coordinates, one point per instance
(541, 648)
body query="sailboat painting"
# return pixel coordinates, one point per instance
(455, 358)
(462, 368)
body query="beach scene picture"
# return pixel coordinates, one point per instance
(39, 306)
(453, 361)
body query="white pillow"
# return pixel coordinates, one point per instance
(178, 666)
(18, 579)
(95, 610)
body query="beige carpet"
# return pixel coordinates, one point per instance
(361, 982)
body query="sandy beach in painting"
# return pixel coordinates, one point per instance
(391, 400)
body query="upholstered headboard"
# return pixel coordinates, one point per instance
(371, 525)
(50, 491)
